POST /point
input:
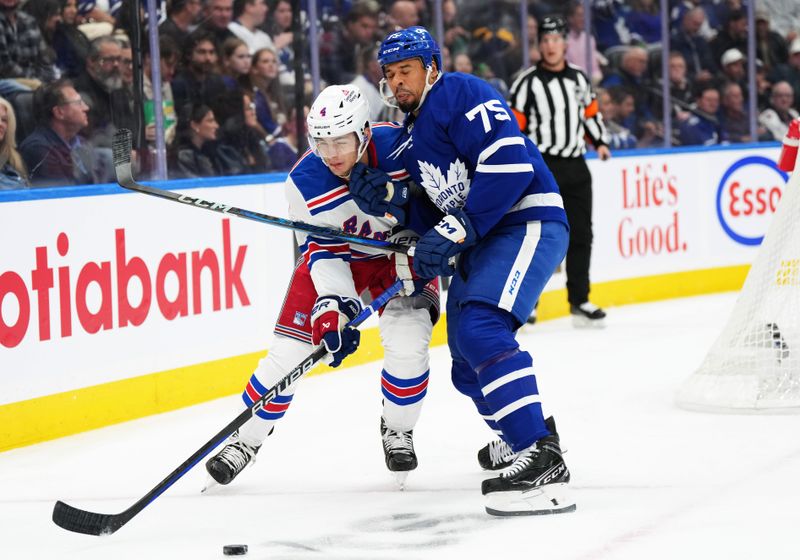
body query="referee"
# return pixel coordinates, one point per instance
(556, 107)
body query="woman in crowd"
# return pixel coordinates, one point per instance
(13, 174)
(265, 90)
(236, 62)
(197, 152)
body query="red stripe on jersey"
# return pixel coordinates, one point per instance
(277, 407)
(252, 393)
(320, 200)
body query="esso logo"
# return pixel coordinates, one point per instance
(748, 196)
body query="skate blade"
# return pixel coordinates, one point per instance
(581, 322)
(210, 485)
(400, 479)
(545, 500)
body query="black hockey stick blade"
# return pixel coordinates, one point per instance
(121, 148)
(90, 523)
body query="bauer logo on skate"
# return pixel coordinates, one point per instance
(747, 196)
(650, 223)
(59, 295)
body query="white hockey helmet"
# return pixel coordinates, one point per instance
(339, 110)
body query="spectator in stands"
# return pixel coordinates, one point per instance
(90, 12)
(710, 23)
(47, 14)
(218, 16)
(702, 127)
(13, 174)
(790, 72)
(182, 16)
(694, 48)
(236, 61)
(248, 16)
(780, 113)
(785, 17)
(283, 152)
(169, 55)
(456, 38)
(402, 14)
(733, 117)
(733, 69)
(280, 30)
(609, 24)
(732, 36)
(576, 43)
(70, 44)
(462, 63)
(368, 81)
(197, 82)
(126, 66)
(771, 48)
(643, 20)
(631, 74)
(239, 129)
(619, 137)
(339, 48)
(23, 54)
(54, 153)
(264, 88)
(198, 154)
(101, 86)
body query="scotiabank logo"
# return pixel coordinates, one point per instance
(128, 275)
(747, 197)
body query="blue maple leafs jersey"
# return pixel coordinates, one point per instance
(466, 150)
(317, 196)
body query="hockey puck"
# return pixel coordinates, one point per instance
(234, 549)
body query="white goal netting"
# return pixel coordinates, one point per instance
(754, 365)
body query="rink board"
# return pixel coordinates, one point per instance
(83, 344)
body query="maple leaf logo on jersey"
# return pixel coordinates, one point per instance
(446, 191)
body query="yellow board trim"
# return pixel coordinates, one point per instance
(53, 416)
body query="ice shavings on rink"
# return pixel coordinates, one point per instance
(650, 480)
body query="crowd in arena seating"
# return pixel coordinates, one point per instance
(227, 75)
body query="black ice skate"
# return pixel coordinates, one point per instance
(587, 315)
(398, 450)
(535, 484)
(496, 455)
(231, 460)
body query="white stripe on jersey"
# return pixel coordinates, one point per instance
(507, 378)
(490, 151)
(504, 168)
(515, 278)
(538, 199)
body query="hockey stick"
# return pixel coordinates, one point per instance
(89, 523)
(122, 166)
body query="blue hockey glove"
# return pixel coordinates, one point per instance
(448, 238)
(376, 194)
(328, 318)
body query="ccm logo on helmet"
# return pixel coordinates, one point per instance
(747, 197)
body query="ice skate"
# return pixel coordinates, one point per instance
(587, 316)
(496, 455)
(535, 484)
(398, 450)
(231, 460)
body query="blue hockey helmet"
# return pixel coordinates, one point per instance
(413, 42)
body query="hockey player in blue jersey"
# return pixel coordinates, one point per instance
(504, 220)
(330, 277)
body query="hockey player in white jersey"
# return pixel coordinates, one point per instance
(506, 224)
(329, 278)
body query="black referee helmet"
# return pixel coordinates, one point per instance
(552, 24)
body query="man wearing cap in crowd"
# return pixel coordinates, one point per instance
(732, 65)
(790, 72)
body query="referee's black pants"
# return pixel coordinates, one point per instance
(575, 183)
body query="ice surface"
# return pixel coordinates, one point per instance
(651, 481)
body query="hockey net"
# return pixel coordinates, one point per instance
(754, 365)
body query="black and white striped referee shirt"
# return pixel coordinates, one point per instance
(556, 110)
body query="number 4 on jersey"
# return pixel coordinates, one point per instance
(483, 109)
